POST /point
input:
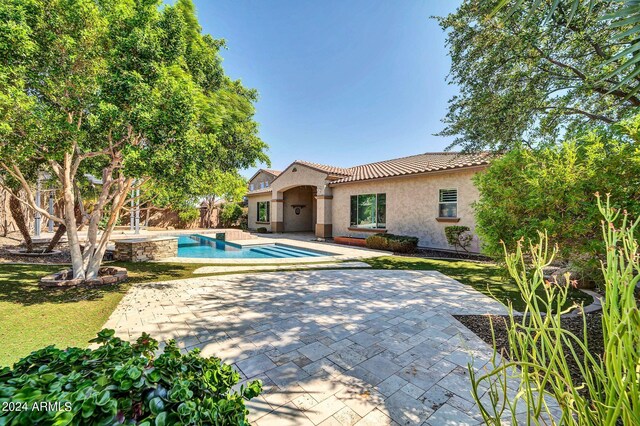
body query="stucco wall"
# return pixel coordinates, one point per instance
(299, 196)
(412, 206)
(302, 176)
(253, 211)
(261, 177)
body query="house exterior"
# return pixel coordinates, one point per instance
(418, 196)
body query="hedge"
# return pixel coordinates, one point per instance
(391, 242)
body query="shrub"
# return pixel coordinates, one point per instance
(458, 236)
(262, 230)
(539, 347)
(187, 215)
(549, 188)
(231, 213)
(124, 383)
(395, 243)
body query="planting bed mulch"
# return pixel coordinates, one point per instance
(8, 244)
(481, 326)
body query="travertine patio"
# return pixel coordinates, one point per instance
(343, 347)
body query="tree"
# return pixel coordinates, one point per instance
(230, 187)
(553, 189)
(127, 92)
(231, 213)
(626, 15)
(527, 79)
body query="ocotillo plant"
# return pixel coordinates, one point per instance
(532, 382)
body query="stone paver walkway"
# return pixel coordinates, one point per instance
(339, 347)
(268, 268)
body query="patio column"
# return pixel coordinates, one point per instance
(277, 211)
(324, 199)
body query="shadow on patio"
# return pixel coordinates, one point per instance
(345, 345)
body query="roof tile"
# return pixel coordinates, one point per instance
(421, 163)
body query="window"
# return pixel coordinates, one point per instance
(263, 211)
(369, 211)
(448, 206)
(250, 187)
(261, 185)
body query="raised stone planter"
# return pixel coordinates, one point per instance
(144, 249)
(106, 275)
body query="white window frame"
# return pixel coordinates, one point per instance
(440, 202)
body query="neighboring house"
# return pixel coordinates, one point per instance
(418, 195)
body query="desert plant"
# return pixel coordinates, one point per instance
(395, 243)
(458, 237)
(535, 370)
(123, 383)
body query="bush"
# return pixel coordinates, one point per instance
(607, 391)
(124, 383)
(395, 243)
(458, 236)
(550, 188)
(188, 214)
(262, 230)
(231, 213)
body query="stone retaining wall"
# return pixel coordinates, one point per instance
(141, 250)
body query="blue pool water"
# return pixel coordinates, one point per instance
(206, 247)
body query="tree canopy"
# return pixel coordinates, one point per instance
(130, 92)
(526, 76)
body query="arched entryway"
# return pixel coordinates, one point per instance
(299, 209)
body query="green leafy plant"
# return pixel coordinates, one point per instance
(535, 371)
(530, 189)
(529, 75)
(262, 230)
(124, 383)
(459, 237)
(136, 101)
(395, 243)
(230, 214)
(624, 21)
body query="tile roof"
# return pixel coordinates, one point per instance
(414, 164)
(271, 171)
(421, 163)
(340, 171)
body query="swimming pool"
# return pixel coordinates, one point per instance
(206, 247)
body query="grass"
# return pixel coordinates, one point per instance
(32, 317)
(487, 278)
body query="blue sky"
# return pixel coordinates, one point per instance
(340, 82)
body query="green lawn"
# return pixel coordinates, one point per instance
(31, 317)
(487, 278)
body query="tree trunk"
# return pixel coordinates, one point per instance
(18, 216)
(62, 230)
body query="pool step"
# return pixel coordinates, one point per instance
(288, 252)
(265, 251)
(300, 251)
